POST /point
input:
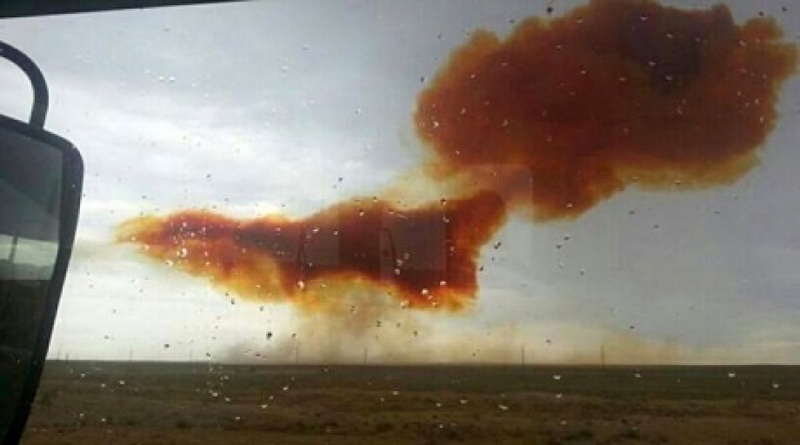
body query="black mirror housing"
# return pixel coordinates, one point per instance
(41, 178)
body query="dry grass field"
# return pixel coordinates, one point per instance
(176, 403)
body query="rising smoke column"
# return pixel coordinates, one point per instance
(551, 121)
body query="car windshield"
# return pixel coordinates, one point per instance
(425, 222)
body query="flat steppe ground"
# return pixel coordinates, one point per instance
(176, 403)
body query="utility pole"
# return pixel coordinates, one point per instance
(522, 354)
(366, 355)
(603, 355)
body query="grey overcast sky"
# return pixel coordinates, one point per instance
(258, 107)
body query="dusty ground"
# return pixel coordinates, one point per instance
(141, 403)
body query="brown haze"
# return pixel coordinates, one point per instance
(550, 121)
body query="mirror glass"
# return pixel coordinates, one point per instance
(30, 202)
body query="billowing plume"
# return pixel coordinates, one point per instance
(550, 121)
(615, 93)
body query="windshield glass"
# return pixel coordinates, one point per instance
(423, 221)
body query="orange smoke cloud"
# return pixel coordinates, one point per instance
(554, 119)
(426, 256)
(613, 93)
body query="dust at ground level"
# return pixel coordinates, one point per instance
(166, 403)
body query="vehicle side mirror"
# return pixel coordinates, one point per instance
(41, 176)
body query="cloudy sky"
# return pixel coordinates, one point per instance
(254, 108)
